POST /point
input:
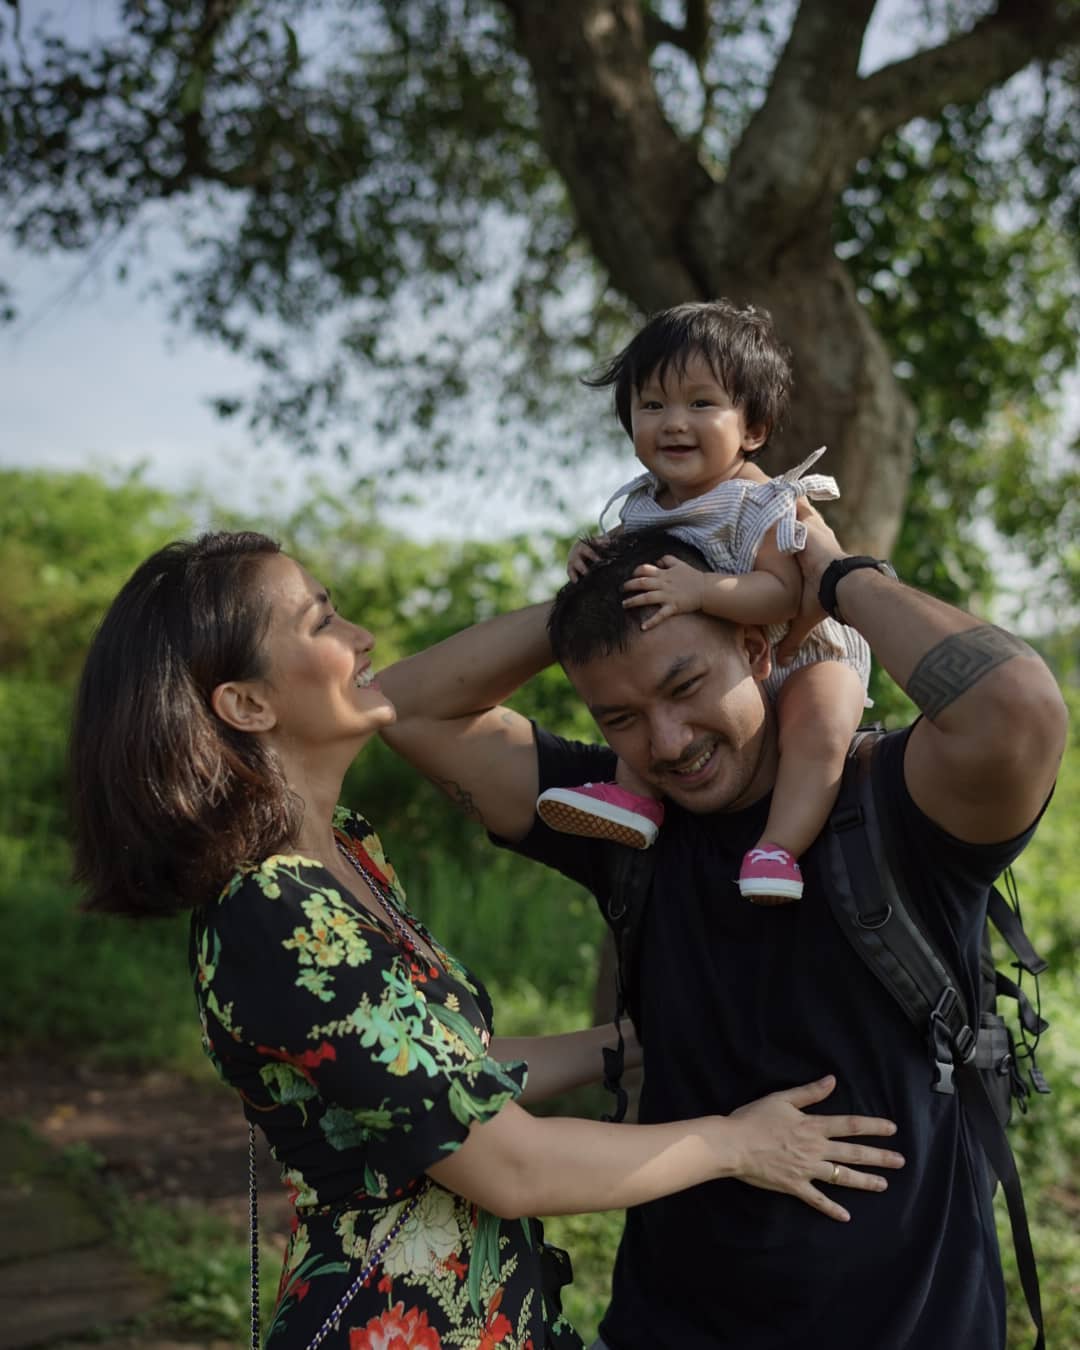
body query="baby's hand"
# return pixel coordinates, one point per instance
(671, 584)
(582, 556)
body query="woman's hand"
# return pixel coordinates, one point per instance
(784, 1149)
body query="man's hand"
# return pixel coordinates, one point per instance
(670, 584)
(822, 547)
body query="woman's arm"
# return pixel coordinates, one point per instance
(561, 1063)
(518, 1165)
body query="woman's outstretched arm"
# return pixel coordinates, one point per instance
(517, 1164)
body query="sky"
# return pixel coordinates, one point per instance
(94, 376)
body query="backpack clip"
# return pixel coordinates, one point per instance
(947, 1046)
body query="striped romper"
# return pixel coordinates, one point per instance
(727, 525)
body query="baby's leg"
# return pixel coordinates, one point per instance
(817, 710)
(627, 811)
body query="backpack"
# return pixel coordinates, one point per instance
(976, 1057)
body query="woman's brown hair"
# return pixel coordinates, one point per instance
(166, 799)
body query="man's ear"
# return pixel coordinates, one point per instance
(243, 706)
(758, 652)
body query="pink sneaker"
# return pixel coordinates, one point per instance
(770, 876)
(602, 811)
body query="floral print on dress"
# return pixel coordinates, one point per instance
(364, 1063)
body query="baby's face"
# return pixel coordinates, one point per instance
(688, 431)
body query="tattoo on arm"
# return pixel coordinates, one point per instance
(460, 797)
(953, 666)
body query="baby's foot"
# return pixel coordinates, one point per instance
(602, 811)
(770, 876)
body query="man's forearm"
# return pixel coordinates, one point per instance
(560, 1063)
(473, 670)
(936, 653)
(450, 724)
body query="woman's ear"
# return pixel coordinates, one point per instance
(243, 705)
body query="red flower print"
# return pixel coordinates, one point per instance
(310, 1059)
(495, 1332)
(459, 1268)
(301, 1289)
(396, 1330)
(384, 1285)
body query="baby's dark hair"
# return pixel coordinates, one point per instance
(740, 345)
(587, 618)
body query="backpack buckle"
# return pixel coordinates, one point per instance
(946, 1046)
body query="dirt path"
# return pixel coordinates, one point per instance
(162, 1137)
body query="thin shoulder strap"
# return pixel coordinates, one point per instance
(642, 480)
(332, 1320)
(253, 1220)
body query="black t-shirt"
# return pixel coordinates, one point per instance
(738, 1000)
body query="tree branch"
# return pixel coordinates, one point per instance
(630, 177)
(692, 37)
(962, 70)
(783, 169)
(216, 16)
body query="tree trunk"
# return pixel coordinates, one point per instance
(846, 397)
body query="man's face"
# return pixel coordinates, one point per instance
(683, 708)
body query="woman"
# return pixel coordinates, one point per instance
(222, 701)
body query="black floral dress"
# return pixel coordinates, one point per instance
(363, 1065)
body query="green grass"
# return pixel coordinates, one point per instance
(109, 990)
(202, 1262)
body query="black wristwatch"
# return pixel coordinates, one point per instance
(838, 569)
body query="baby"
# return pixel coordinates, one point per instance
(699, 390)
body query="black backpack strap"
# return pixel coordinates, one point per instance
(991, 1135)
(862, 886)
(628, 875)
(888, 937)
(1006, 920)
(1032, 1022)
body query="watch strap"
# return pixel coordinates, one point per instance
(835, 573)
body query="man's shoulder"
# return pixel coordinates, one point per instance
(562, 760)
(919, 845)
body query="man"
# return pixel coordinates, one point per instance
(735, 1000)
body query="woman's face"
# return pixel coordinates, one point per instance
(320, 681)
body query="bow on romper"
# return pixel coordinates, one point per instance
(727, 525)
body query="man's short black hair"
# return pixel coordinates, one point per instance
(740, 346)
(587, 619)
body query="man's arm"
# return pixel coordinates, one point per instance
(450, 724)
(982, 759)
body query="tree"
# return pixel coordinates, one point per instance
(526, 177)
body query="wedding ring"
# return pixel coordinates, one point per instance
(835, 1174)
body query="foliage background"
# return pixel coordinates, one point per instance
(116, 992)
